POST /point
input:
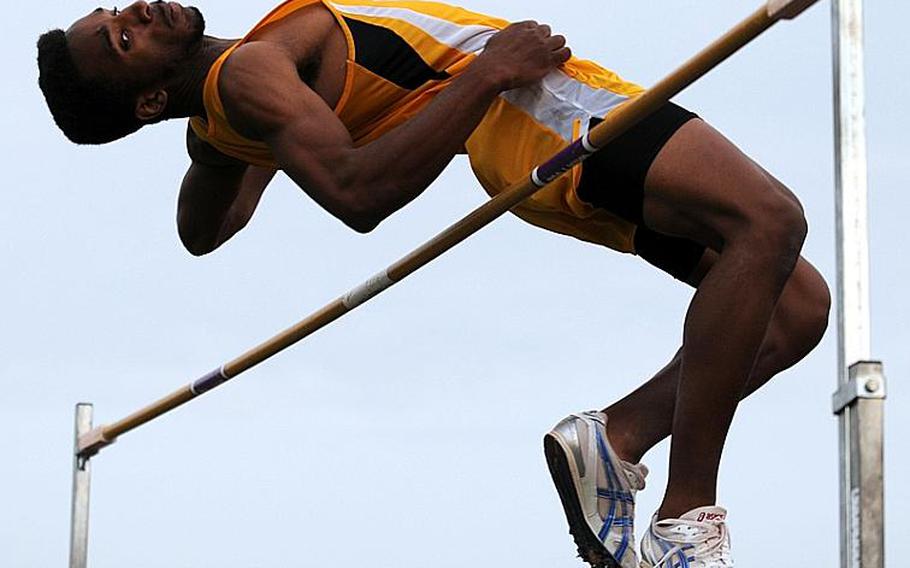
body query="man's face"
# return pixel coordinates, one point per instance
(139, 45)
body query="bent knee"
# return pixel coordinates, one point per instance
(774, 228)
(804, 308)
(818, 308)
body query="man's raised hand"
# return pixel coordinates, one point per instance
(522, 54)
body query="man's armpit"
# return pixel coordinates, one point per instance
(202, 152)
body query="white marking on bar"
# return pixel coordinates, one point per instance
(535, 178)
(367, 290)
(586, 143)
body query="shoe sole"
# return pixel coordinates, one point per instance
(590, 548)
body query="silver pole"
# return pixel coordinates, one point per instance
(861, 384)
(82, 478)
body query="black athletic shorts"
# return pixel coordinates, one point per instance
(614, 179)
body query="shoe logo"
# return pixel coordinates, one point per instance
(711, 517)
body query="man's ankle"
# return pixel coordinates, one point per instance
(675, 509)
(622, 440)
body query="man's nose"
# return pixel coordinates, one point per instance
(141, 11)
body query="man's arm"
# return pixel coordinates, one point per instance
(362, 186)
(217, 197)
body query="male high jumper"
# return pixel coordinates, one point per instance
(364, 102)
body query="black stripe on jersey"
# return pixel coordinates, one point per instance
(386, 54)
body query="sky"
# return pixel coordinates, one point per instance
(410, 430)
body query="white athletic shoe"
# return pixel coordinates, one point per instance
(697, 540)
(597, 490)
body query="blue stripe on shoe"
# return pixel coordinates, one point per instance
(608, 522)
(666, 547)
(623, 547)
(684, 558)
(611, 517)
(626, 531)
(614, 496)
(612, 476)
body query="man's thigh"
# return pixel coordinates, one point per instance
(703, 188)
(614, 179)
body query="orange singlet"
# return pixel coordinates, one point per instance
(402, 53)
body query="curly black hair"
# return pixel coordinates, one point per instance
(87, 111)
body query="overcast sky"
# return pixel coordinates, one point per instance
(410, 431)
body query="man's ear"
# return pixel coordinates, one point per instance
(150, 106)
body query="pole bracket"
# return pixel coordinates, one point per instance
(92, 442)
(867, 381)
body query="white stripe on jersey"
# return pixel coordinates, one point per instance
(595, 102)
(559, 100)
(467, 39)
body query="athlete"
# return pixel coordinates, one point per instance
(363, 103)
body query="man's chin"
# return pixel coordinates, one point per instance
(198, 22)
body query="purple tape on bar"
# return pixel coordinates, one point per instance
(562, 162)
(212, 380)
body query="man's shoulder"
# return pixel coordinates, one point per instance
(251, 84)
(252, 67)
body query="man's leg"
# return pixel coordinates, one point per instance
(701, 187)
(644, 418)
(757, 310)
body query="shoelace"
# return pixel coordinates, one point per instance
(708, 541)
(636, 474)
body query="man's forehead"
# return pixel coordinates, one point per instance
(92, 18)
(93, 28)
(89, 38)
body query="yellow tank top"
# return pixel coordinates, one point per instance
(401, 53)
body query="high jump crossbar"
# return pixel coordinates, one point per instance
(614, 124)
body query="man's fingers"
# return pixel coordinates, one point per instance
(555, 42)
(562, 55)
(544, 30)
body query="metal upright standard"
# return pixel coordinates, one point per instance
(82, 476)
(90, 441)
(859, 401)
